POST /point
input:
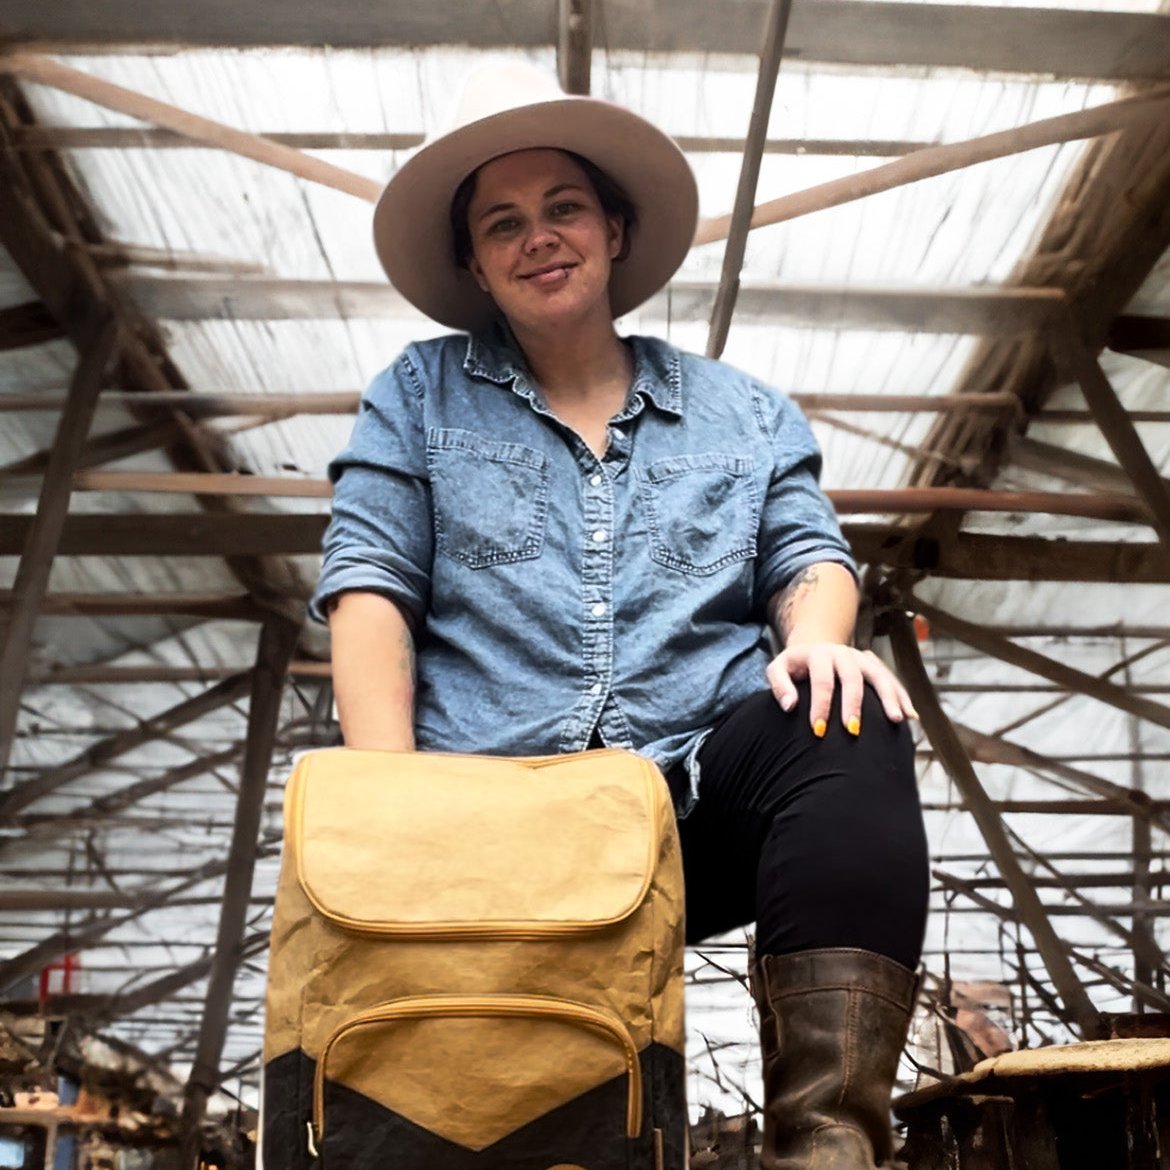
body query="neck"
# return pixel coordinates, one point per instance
(576, 363)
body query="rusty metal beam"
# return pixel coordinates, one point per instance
(1025, 899)
(101, 339)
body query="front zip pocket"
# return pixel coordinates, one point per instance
(476, 1071)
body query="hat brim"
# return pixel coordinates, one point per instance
(412, 228)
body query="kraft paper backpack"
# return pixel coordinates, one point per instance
(476, 963)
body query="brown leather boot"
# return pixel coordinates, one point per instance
(832, 1026)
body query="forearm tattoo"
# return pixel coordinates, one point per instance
(783, 604)
(406, 656)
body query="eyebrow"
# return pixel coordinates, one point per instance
(547, 195)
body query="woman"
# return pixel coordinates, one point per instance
(547, 537)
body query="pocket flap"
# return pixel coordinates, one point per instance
(426, 844)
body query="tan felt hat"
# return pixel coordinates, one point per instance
(509, 107)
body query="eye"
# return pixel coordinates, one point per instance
(564, 208)
(502, 226)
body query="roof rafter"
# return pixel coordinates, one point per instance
(1063, 43)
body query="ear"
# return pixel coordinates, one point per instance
(616, 231)
(476, 271)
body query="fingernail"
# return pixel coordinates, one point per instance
(788, 702)
(913, 713)
(854, 726)
(819, 728)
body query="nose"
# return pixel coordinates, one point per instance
(540, 237)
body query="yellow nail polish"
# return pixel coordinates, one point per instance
(854, 726)
(819, 728)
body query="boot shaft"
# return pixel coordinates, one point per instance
(833, 1024)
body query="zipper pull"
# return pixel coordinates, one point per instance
(314, 1153)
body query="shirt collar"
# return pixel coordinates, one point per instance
(495, 355)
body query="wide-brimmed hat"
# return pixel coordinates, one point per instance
(504, 108)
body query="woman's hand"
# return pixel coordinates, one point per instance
(823, 664)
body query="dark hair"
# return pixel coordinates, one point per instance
(610, 194)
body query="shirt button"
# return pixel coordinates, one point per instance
(598, 609)
(595, 689)
(599, 535)
(595, 481)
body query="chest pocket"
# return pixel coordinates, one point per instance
(490, 498)
(701, 511)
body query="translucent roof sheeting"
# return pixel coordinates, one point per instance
(216, 221)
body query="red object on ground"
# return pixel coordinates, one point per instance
(61, 977)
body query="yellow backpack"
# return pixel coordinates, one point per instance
(476, 963)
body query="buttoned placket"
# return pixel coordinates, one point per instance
(596, 707)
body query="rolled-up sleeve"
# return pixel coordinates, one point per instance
(380, 536)
(798, 526)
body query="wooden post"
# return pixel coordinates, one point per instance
(575, 46)
(749, 175)
(1027, 903)
(278, 639)
(32, 577)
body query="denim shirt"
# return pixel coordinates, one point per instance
(554, 593)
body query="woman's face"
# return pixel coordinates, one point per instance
(541, 244)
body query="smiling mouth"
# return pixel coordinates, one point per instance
(552, 271)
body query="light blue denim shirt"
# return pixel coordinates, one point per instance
(553, 593)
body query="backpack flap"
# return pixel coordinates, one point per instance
(428, 845)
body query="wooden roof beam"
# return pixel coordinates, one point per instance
(1117, 427)
(977, 310)
(27, 324)
(101, 753)
(113, 803)
(994, 749)
(1040, 664)
(89, 931)
(156, 138)
(968, 556)
(100, 449)
(238, 607)
(1064, 43)
(200, 404)
(944, 159)
(1143, 337)
(847, 501)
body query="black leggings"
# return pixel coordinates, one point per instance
(820, 842)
